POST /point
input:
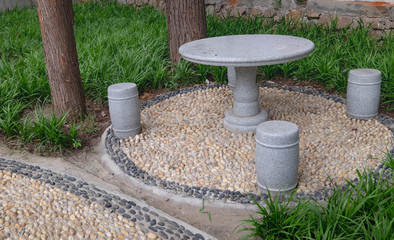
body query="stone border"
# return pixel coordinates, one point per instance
(127, 166)
(151, 220)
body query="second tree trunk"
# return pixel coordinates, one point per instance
(186, 21)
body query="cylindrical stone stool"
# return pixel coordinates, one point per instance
(277, 152)
(124, 109)
(363, 93)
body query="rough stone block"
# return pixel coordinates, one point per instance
(390, 24)
(277, 156)
(344, 21)
(162, 5)
(269, 12)
(295, 14)
(265, 3)
(363, 93)
(211, 2)
(239, 11)
(210, 9)
(313, 15)
(218, 7)
(256, 11)
(225, 12)
(325, 19)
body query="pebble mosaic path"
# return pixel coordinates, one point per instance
(184, 148)
(187, 152)
(36, 203)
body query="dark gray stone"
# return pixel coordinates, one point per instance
(163, 235)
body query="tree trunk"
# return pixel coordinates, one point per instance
(56, 20)
(186, 21)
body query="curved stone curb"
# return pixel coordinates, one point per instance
(151, 219)
(118, 162)
(109, 158)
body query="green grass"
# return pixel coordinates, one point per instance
(362, 210)
(51, 133)
(118, 43)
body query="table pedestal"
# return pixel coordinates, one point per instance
(246, 113)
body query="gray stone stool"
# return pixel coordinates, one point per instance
(363, 93)
(277, 152)
(124, 109)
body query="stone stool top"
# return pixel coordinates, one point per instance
(246, 50)
(364, 76)
(122, 91)
(277, 134)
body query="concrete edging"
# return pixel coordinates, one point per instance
(157, 191)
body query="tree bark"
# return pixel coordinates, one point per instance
(56, 21)
(186, 21)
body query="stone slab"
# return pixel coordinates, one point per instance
(246, 50)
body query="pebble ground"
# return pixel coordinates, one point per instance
(183, 141)
(40, 204)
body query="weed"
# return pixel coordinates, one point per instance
(51, 133)
(9, 118)
(202, 210)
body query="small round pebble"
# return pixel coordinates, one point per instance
(183, 141)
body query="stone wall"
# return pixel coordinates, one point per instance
(380, 15)
(10, 4)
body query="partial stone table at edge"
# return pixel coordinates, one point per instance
(245, 53)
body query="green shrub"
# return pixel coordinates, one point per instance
(361, 210)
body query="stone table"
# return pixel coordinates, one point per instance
(245, 53)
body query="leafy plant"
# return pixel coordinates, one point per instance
(358, 210)
(278, 220)
(9, 118)
(50, 133)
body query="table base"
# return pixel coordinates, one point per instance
(243, 124)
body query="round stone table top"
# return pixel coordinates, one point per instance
(246, 50)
